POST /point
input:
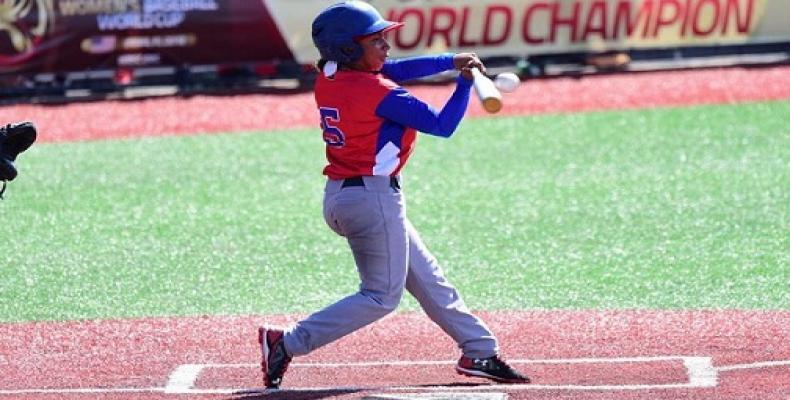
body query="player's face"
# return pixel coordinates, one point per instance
(376, 50)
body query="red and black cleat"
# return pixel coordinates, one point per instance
(274, 358)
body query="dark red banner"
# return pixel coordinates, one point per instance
(74, 35)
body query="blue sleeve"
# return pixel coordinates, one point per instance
(401, 107)
(417, 67)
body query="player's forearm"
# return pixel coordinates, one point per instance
(401, 107)
(417, 67)
(454, 110)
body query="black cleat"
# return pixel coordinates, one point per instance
(491, 368)
(275, 359)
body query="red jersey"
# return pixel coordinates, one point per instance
(359, 142)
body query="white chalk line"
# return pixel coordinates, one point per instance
(757, 365)
(701, 373)
(19, 392)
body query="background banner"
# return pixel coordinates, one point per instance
(529, 27)
(77, 35)
(73, 35)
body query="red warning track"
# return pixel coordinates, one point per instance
(205, 114)
(569, 354)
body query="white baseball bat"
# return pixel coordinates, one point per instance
(486, 91)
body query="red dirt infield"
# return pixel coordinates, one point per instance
(263, 112)
(569, 354)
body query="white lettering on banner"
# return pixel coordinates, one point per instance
(139, 59)
(114, 15)
(159, 20)
(179, 5)
(150, 42)
(92, 7)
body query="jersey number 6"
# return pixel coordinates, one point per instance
(333, 136)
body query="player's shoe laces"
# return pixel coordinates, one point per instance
(275, 359)
(492, 368)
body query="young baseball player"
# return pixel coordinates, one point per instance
(370, 125)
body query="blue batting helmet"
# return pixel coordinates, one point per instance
(336, 28)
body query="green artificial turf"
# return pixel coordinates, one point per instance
(663, 208)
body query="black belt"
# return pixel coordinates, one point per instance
(358, 181)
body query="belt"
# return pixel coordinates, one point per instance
(358, 181)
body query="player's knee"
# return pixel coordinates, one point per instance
(386, 302)
(390, 303)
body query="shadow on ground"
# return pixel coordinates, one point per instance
(294, 394)
(286, 394)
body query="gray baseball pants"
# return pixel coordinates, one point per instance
(390, 256)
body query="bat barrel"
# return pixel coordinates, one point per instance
(488, 94)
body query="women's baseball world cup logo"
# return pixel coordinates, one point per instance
(23, 26)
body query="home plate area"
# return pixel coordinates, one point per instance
(618, 354)
(433, 379)
(604, 374)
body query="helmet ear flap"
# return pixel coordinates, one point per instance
(352, 51)
(340, 51)
(348, 50)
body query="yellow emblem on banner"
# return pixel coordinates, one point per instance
(23, 23)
